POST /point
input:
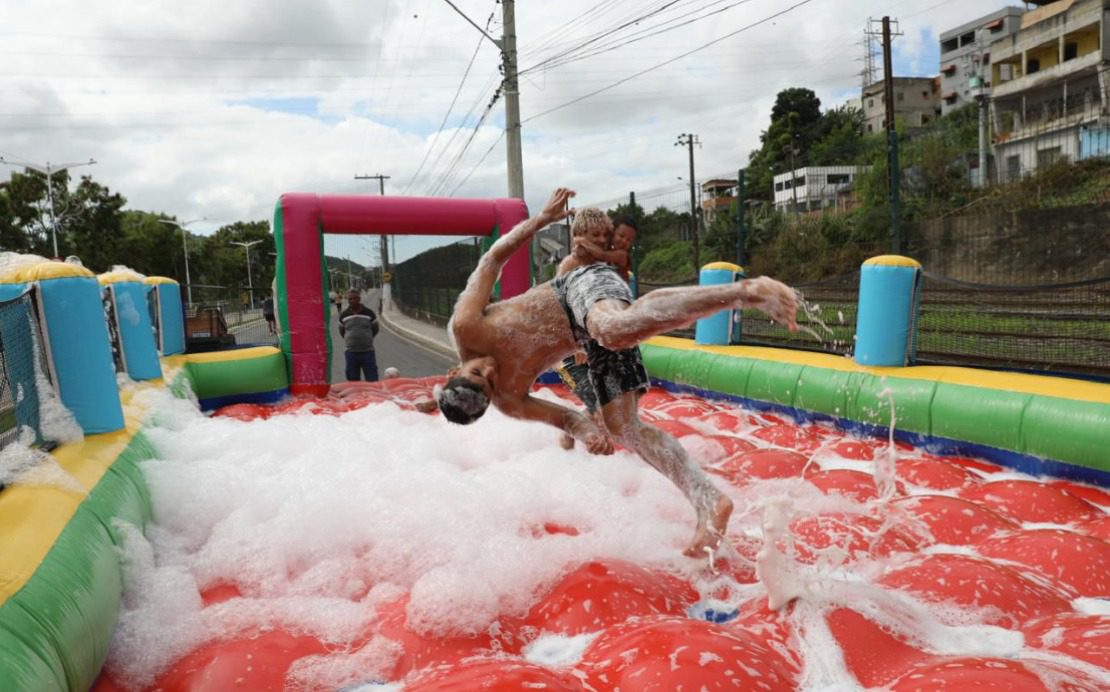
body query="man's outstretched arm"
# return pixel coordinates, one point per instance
(475, 296)
(565, 419)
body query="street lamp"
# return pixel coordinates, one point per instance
(49, 170)
(185, 247)
(246, 245)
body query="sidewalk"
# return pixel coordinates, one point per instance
(428, 335)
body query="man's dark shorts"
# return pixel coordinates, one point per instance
(611, 373)
(576, 376)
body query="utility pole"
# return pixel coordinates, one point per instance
(689, 140)
(740, 204)
(49, 170)
(892, 143)
(385, 245)
(983, 99)
(512, 100)
(246, 245)
(507, 46)
(185, 249)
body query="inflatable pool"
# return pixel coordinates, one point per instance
(228, 523)
(853, 562)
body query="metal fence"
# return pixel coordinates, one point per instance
(221, 316)
(1005, 285)
(427, 286)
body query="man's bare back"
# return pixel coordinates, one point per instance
(503, 347)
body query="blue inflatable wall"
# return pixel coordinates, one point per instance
(81, 352)
(136, 333)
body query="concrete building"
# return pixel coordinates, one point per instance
(815, 188)
(965, 57)
(916, 100)
(1050, 100)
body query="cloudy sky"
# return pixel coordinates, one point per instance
(214, 108)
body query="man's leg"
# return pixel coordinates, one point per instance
(667, 456)
(617, 325)
(352, 366)
(370, 366)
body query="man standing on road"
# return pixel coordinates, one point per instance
(268, 313)
(504, 346)
(358, 325)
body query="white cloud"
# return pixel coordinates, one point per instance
(216, 108)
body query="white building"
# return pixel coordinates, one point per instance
(814, 188)
(1051, 94)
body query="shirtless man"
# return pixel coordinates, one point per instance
(504, 346)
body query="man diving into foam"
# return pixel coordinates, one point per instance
(504, 346)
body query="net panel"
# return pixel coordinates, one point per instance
(20, 359)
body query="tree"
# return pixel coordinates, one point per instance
(796, 123)
(90, 220)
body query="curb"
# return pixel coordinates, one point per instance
(428, 343)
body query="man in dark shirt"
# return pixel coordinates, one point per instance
(358, 325)
(268, 313)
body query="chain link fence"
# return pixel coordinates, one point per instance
(427, 286)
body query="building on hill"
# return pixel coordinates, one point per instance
(717, 195)
(816, 188)
(916, 100)
(1049, 79)
(965, 57)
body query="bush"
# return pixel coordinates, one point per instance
(669, 263)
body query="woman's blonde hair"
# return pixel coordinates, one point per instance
(587, 218)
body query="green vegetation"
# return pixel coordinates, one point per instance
(800, 248)
(93, 226)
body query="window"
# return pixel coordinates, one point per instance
(967, 39)
(1047, 157)
(799, 181)
(870, 103)
(1071, 50)
(778, 187)
(949, 45)
(870, 127)
(839, 178)
(925, 95)
(1013, 167)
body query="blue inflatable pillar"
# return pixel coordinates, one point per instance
(131, 314)
(169, 320)
(889, 300)
(79, 354)
(722, 328)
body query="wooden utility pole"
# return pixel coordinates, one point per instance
(688, 141)
(385, 245)
(892, 143)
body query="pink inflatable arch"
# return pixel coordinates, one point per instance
(302, 219)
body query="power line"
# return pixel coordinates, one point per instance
(458, 158)
(671, 60)
(495, 143)
(635, 37)
(447, 115)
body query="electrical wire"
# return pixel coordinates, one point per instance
(447, 115)
(670, 60)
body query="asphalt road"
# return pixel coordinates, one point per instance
(411, 359)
